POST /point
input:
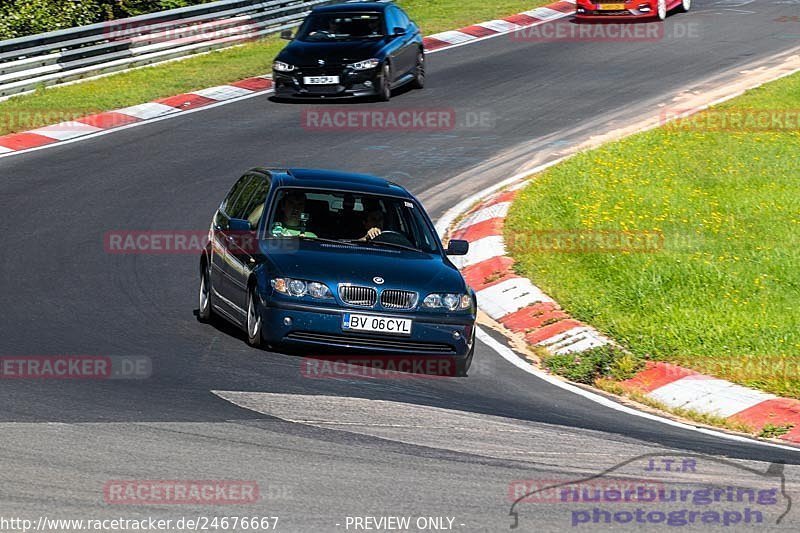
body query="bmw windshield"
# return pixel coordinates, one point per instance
(351, 218)
(341, 27)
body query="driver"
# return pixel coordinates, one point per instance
(373, 222)
(289, 221)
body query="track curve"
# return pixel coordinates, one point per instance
(62, 294)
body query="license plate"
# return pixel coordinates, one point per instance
(376, 324)
(321, 80)
(612, 7)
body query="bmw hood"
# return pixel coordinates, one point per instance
(308, 54)
(335, 264)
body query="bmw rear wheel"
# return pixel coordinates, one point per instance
(254, 323)
(686, 5)
(661, 10)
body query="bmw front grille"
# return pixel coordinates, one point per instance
(398, 299)
(357, 295)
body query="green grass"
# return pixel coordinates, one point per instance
(48, 106)
(722, 295)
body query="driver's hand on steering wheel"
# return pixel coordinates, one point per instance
(373, 232)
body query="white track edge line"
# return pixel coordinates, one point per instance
(509, 355)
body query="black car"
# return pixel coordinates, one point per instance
(350, 50)
(325, 261)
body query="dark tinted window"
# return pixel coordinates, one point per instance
(349, 216)
(252, 194)
(392, 20)
(341, 26)
(402, 19)
(228, 204)
(255, 207)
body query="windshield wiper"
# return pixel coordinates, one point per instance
(393, 244)
(310, 238)
(323, 239)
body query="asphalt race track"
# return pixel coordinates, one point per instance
(319, 451)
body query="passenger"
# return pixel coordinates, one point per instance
(291, 220)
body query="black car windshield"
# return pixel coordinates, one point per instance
(341, 26)
(353, 218)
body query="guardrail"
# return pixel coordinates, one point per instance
(61, 56)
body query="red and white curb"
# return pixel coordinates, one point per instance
(93, 125)
(525, 309)
(507, 297)
(683, 388)
(493, 28)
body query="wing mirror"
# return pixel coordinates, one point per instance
(457, 247)
(399, 32)
(239, 224)
(287, 34)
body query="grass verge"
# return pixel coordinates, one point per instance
(720, 293)
(58, 104)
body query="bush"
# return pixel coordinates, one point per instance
(588, 366)
(19, 18)
(27, 17)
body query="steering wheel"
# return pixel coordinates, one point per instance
(393, 237)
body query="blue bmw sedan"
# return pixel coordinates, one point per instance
(330, 262)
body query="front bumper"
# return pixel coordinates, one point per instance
(632, 11)
(317, 330)
(351, 84)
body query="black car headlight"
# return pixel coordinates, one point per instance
(280, 66)
(364, 65)
(447, 300)
(300, 288)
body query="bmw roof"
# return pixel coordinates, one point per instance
(334, 179)
(352, 6)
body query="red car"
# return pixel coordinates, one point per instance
(626, 9)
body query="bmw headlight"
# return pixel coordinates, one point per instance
(299, 288)
(449, 301)
(364, 65)
(280, 66)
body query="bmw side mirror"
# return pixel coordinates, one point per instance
(239, 224)
(286, 34)
(398, 32)
(457, 247)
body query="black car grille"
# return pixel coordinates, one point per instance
(357, 295)
(371, 342)
(396, 299)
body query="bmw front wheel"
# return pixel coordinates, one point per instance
(254, 323)
(386, 84)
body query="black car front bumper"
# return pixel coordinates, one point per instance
(352, 83)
